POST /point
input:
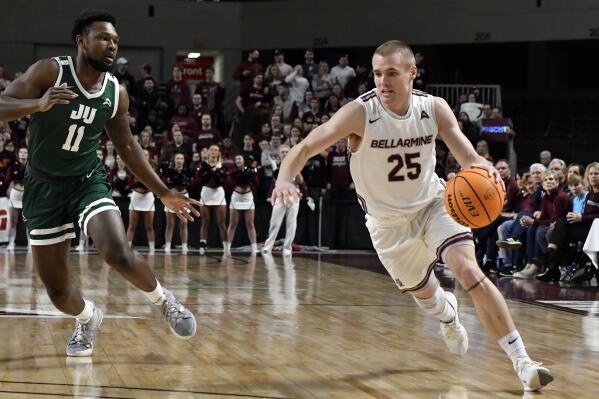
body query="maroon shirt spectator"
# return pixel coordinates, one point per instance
(246, 71)
(339, 179)
(212, 92)
(207, 135)
(186, 123)
(553, 205)
(178, 88)
(591, 208)
(314, 115)
(199, 108)
(512, 195)
(177, 145)
(228, 153)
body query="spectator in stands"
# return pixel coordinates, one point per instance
(473, 108)
(545, 158)
(313, 117)
(19, 127)
(228, 152)
(554, 204)
(177, 177)
(451, 164)
(536, 172)
(207, 134)
(287, 104)
(249, 151)
(575, 225)
(273, 79)
(322, 82)
(243, 180)
(470, 130)
(270, 160)
(186, 123)
(482, 149)
(280, 63)
(178, 145)
(213, 95)
(338, 91)
(332, 105)
(462, 99)
(253, 104)
(165, 106)
(299, 84)
(247, 70)
(304, 106)
(339, 180)
(342, 72)
(265, 133)
(159, 126)
(275, 123)
(575, 169)
(211, 177)
(119, 180)
(310, 67)
(145, 70)
(558, 166)
(146, 143)
(421, 77)
(148, 97)
(124, 77)
(199, 108)
(178, 88)
(142, 204)
(294, 137)
(362, 77)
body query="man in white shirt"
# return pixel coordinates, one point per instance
(298, 83)
(342, 73)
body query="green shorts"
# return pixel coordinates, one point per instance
(51, 206)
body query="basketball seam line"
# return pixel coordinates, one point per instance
(458, 204)
(479, 200)
(495, 187)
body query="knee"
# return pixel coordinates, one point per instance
(59, 296)
(250, 225)
(120, 258)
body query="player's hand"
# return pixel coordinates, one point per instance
(492, 172)
(284, 193)
(56, 95)
(181, 205)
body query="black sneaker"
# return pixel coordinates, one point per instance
(550, 274)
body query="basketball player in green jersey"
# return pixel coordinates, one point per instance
(71, 103)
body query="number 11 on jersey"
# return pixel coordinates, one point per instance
(75, 146)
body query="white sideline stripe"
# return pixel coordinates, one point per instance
(51, 313)
(51, 230)
(95, 212)
(50, 241)
(96, 202)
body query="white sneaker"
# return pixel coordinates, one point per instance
(184, 250)
(533, 376)
(79, 248)
(10, 247)
(454, 334)
(529, 271)
(287, 252)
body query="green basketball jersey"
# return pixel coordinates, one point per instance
(64, 139)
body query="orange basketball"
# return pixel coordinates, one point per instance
(473, 198)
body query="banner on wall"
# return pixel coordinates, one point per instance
(194, 68)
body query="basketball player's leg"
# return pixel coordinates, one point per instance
(107, 230)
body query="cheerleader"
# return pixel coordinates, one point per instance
(242, 200)
(142, 204)
(14, 181)
(178, 178)
(280, 211)
(211, 176)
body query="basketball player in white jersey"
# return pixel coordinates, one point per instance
(392, 131)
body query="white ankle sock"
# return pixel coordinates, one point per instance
(87, 312)
(513, 345)
(82, 242)
(130, 243)
(167, 246)
(226, 246)
(156, 296)
(254, 247)
(151, 244)
(437, 306)
(184, 246)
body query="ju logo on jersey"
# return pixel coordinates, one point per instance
(85, 114)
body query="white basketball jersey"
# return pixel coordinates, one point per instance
(394, 166)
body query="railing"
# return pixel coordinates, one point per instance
(489, 94)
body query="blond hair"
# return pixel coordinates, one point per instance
(397, 46)
(587, 183)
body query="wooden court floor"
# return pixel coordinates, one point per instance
(330, 326)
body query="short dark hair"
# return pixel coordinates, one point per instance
(83, 21)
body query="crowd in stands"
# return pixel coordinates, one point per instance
(184, 134)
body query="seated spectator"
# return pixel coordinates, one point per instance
(265, 133)
(473, 108)
(545, 158)
(273, 78)
(482, 149)
(339, 92)
(207, 135)
(280, 63)
(558, 167)
(575, 169)
(462, 99)
(246, 71)
(299, 84)
(451, 165)
(339, 180)
(575, 225)
(275, 123)
(322, 82)
(314, 115)
(304, 106)
(294, 138)
(178, 89)
(288, 106)
(342, 72)
(487, 111)
(177, 145)
(332, 105)
(186, 123)
(213, 95)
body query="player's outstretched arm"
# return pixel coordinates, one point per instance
(348, 120)
(34, 92)
(128, 148)
(456, 141)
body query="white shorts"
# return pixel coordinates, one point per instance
(242, 202)
(16, 198)
(213, 196)
(410, 245)
(142, 202)
(168, 210)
